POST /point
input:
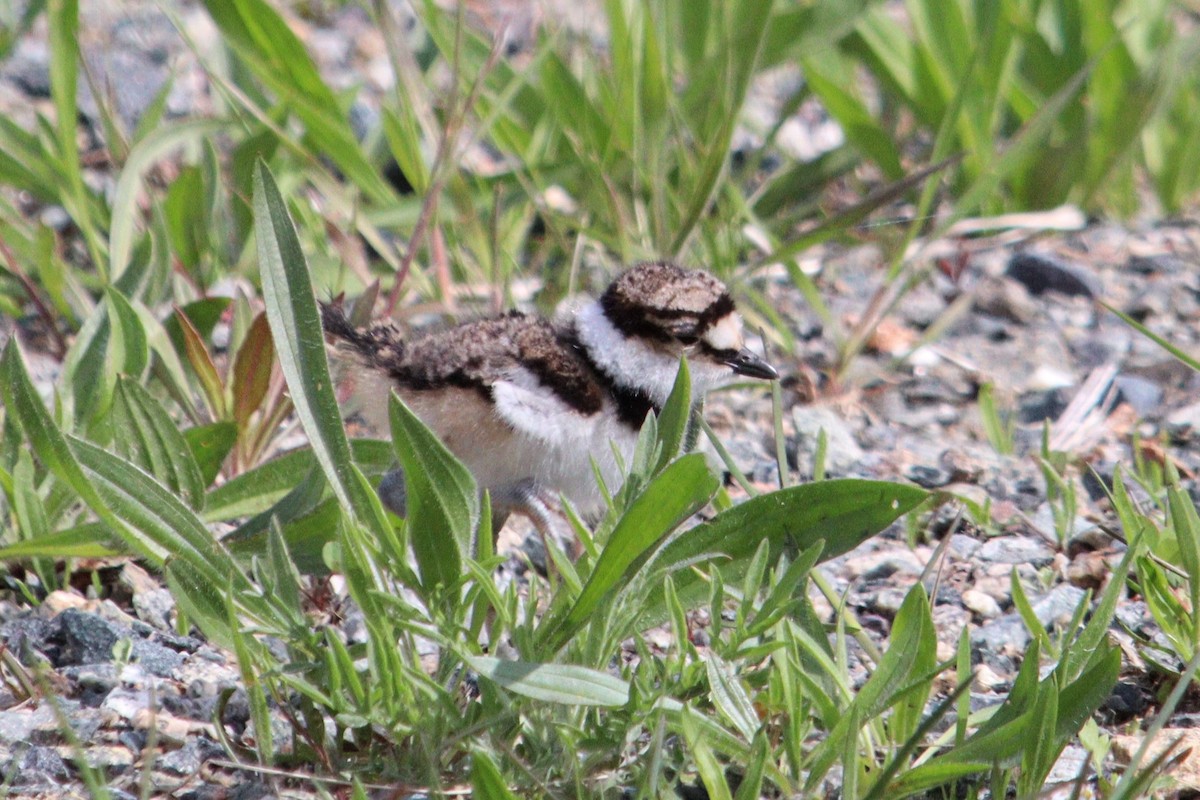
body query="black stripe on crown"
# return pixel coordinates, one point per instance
(662, 324)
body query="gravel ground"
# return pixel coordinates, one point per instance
(1022, 314)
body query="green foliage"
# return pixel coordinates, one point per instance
(380, 697)
(171, 401)
(997, 424)
(1081, 92)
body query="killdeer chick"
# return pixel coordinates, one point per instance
(527, 405)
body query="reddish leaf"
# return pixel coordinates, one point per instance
(202, 364)
(252, 370)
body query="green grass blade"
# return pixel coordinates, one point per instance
(22, 403)
(487, 782)
(1191, 362)
(673, 496)
(255, 491)
(90, 540)
(148, 152)
(259, 35)
(157, 524)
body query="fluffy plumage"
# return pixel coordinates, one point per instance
(528, 405)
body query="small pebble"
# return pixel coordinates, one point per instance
(981, 604)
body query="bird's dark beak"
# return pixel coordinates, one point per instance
(747, 363)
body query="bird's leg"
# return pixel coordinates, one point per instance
(393, 494)
(532, 501)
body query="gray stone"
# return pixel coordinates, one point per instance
(928, 477)
(1034, 407)
(981, 603)
(1015, 550)
(1071, 762)
(85, 638)
(156, 659)
(155, 607)
(963, 546)
(109, 757)
(1058, 605)
(1142, 395)
(882, 563)
(18, 724)
(842, 453)
(41, 766)
(188, 759)
(1183, 424)
(1002, 636)
(1004, 302)
(887, 601)
(127, 80)
(1128, 700)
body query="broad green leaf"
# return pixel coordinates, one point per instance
(210, 444)
(914, 640)
(22, 403)
(87, 367)
(146, 435)
(1086, 646)
(911, 648)
(257, 490)
(674, 418)
(33, 525)
(186, 226)
(443, 502)
(166, 366)
(135, 347)
(840, 514)
(730, 697)
(306, 536)
(707, 763)
(1082, 697)
(156, 523)
(260, 714)
(553, 683)
(934, 775)
(203, 599)
(28, 507)
(751, 786)
(295, 328)
(285, 576)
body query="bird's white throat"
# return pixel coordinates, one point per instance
(634, 362)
